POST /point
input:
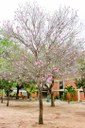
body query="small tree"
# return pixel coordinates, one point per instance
(69, 90)
(18, 86)
(30, 87)
(2, 88)
(81, 83)
(7, 86)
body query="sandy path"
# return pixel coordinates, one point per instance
(25, 115)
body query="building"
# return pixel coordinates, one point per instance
(60, 84)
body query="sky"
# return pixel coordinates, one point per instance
(7, 7)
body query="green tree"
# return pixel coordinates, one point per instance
(69, 90)
(30, 87)
(2, 89)
(7, 86)
(81, 83)
(11, 63)
(8, 51)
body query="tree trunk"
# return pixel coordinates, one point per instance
(17, 97)
(2, 97)
(69, 97)
(52, 99)
(51, 92)
(40, 107)
(68, 101)
(7, 100)
(18, 88)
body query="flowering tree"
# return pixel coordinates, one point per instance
(8, 52)
(12, 64)
(81, 62)
(50, 40)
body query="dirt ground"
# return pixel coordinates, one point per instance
(24, 114)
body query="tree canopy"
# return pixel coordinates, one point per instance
(51, 42)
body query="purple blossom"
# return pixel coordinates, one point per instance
(39, 63)
(55, 69)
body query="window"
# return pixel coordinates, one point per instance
(61, 85)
